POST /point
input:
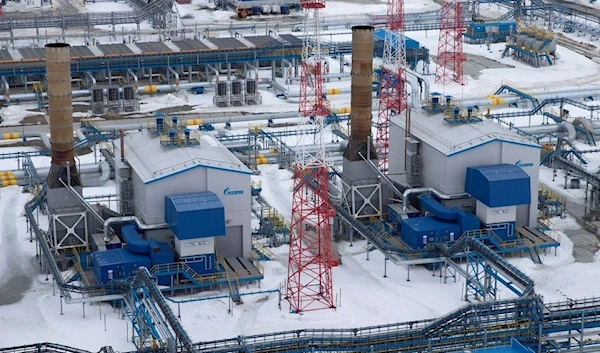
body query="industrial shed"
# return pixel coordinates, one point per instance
(445, 151)
(157, 172)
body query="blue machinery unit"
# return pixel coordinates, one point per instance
(489, 32)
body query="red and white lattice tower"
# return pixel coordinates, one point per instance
(1, 9)
(392, 81)
(309, 282)
(451, 58)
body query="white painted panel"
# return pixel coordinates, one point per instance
(491, 215)
(192, 247)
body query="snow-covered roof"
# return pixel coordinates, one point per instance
(452, 139)
(153, 162)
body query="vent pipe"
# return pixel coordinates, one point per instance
(60, 109)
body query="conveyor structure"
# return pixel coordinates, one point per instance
(542, 327)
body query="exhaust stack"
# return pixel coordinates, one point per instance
(361, 101)
(60, 109)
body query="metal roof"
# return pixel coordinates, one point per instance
(152, 162)
(198, 201)
(500, 172)
(453, 139)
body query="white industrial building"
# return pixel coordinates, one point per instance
(445, 151)
(155, 171)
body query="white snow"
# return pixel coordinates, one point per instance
(364, 296)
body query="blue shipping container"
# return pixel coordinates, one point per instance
(499, 185)
(418, 232)
(201, 264)
(117, 264)
(196, 215)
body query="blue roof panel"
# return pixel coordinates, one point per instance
(379, 34)
(196, 201)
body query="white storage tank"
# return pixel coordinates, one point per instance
(276, 9)
(265, 9)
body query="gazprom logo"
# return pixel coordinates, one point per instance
(523, 165)
(232, 192)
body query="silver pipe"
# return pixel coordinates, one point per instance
(408, 192)
(149, 89)
(133, 76)
(174, 73)
(92, 78)
(138, 222)
(565, 128)
(102, 179)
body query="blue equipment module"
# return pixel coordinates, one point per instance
(499, 185)
(134, 240)
(505, 231)
(480, 32)
(196, 215)
(201, 264)
(467, 221)
(161, 253)
(117, 264)
(418, 232)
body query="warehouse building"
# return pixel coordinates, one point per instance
(439, 154)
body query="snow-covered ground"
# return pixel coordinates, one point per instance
(364, 296)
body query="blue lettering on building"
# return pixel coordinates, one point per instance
(522, 165)
(232, 192)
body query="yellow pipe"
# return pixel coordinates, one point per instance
(344, 110)
(495, 100)
(333, 91)
(11, 135)
(193, 122)
(150, 89)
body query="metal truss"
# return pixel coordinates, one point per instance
(65, 234)
(363, 201)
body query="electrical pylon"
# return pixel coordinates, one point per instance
(392, 80)
(451, 58)
(309, 282)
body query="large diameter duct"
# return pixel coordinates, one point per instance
(361, 100)
(60, 109)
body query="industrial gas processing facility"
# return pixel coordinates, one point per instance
(299, 176)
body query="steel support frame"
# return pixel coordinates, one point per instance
(481, 282)
(358, 197)
(58, 222)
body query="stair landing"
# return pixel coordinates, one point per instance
(243, 268)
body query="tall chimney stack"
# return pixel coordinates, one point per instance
(361, 100)
(60, 108)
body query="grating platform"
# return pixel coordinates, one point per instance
(537, 237)
(33, 53)
(227, 43)
(153, 47)
(243, 268)
(114, 49)
(81, 52)
(289, 39)
(264, 41)
(190, 45)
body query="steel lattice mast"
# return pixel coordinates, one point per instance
(451, 58)
(392, 81)
(309, 283)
